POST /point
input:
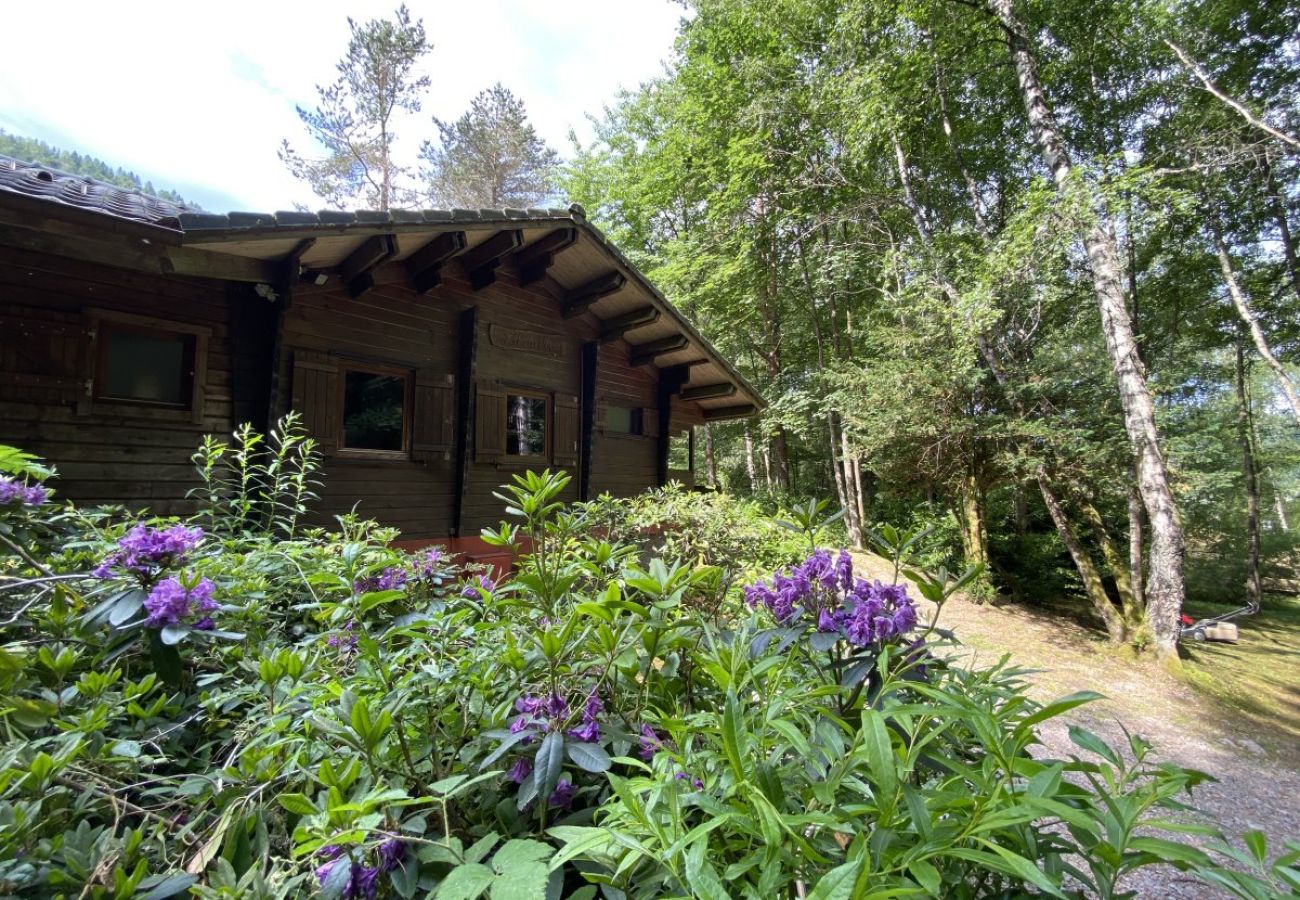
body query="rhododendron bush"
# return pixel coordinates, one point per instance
(239, 704)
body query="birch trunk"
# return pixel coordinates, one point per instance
(1283, 225)
(1136, 526)
(750, 468)
(1251, 321)
(1245, 433)
(1165, 585)
(710, 458)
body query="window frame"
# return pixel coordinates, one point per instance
(408, 400)
(548, 427)
(99, 323)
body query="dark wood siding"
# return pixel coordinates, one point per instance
(623, 465)
(104, 454)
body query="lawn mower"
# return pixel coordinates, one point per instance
(1216, 628)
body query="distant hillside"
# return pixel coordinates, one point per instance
(34, 151)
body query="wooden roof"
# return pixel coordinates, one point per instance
(53, 212)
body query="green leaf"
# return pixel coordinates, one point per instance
(838, 883)
(927, 876)
(881, 759)
(128, 749)
(701, 876)
(1057, 707)
(171, 635)
(518, 851)
(521, 881)
(298, 804)
(337, 881)
(548, 762)
(589, 757)
(464, 882)
(171, 886)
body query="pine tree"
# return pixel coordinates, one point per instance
(489, 157)
(353, 118)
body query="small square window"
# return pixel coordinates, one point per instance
(145, 365)
(527, 417)
(375, 410)
(623, 420)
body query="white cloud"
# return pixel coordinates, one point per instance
(199, 96)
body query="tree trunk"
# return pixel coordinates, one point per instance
(852, 490)
(750, 468)
(974, 532)
(1136, 527)
(1251, 320)
(1283, 225)
(1245, 433)
(1165, 586)
(1118, 566)
(837, 471)
(710, 458)
(860, 501)
(1092, 583)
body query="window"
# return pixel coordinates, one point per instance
(376, 405)
(622, 420)
(681, 451)
(145, 365)
(527, 423)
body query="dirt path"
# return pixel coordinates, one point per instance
(1257, 771)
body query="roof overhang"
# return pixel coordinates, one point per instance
(63, 215)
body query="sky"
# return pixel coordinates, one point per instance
(197, 97)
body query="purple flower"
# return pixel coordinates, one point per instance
(588, 732)
(844, 566)
(11, 491)
(364, 883)
(205, 624)
(390, 579)
(651, 743)
(562, 796)
(344, 640)
(391, 854)
(170, 602)
(695, 782)
(520, 770)
(471, 591)
(144, 549)
(594, 706)
(428, 564)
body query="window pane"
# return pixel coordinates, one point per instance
(525, 426)
(147, 367)
(621, 420)
(374, 407)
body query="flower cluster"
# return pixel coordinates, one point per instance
(172, 603)
(362, 880)
(651, 744)
(429, 564)
(390, 579)
(144, 549)
(823, 590)
(15, 493)
(344, 640)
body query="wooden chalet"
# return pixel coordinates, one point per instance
(431, 353)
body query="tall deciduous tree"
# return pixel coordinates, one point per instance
(489, 157)
(354, 116)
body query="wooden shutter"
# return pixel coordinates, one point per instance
(489, 423)
(316, 396)
(650, 422)
(567, 431)
(433, 431)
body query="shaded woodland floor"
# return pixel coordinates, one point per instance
(1234, 712)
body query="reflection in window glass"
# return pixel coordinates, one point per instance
(621, 420)
(525, 425)
(146, 366)
(680, 455)
(374, 410)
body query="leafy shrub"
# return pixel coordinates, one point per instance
(363, 722)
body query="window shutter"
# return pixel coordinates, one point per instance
(650, 422)
(489, 423)
(566, 431)
(433, 431)
(315, 396)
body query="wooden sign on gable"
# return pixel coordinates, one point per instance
(541, 343)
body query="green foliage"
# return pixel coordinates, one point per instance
(594, 722)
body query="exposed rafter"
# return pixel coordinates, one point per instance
(580, 298)
(481, 260)
(730, 412)
(615, 327)
(291, 270)
(355, 270)
(652, 350)
(709, 391)
(537, 257)
(425, 265)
